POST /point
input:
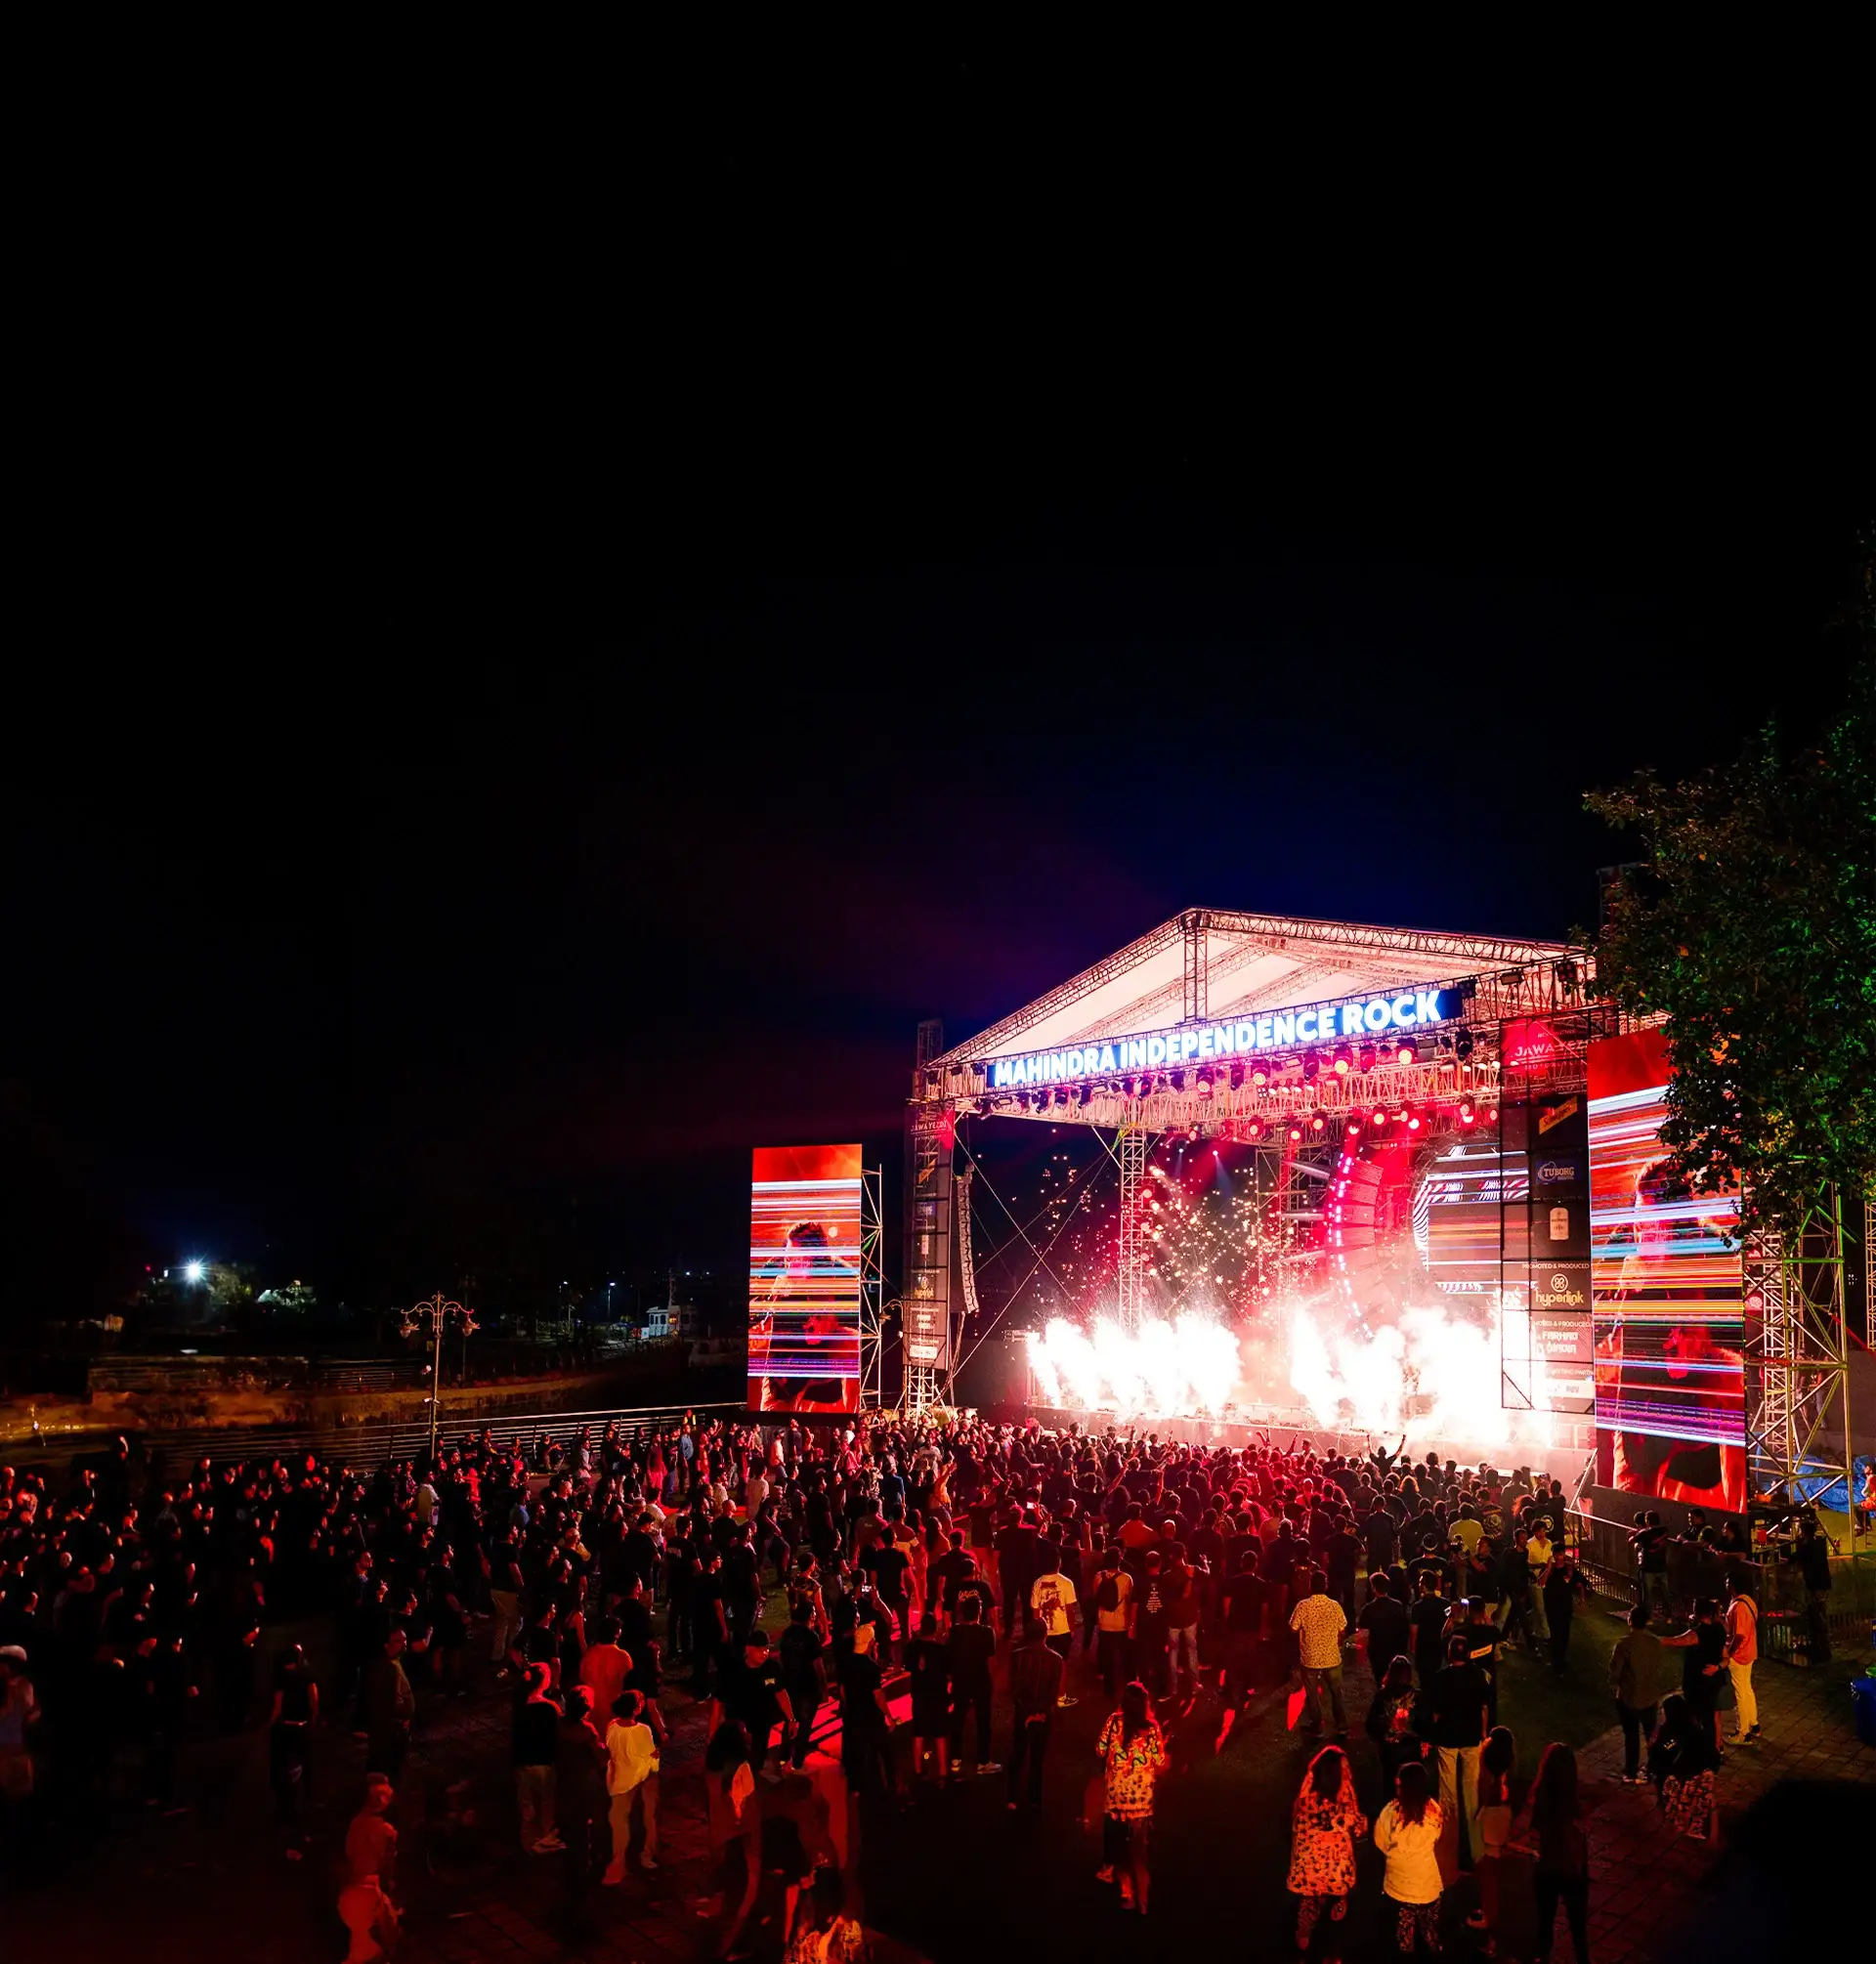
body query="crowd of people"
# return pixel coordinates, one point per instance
(909, 1572)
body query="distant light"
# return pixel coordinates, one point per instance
(193, 1271)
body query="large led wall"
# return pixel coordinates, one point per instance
(1669, 1303)
(804, 1279)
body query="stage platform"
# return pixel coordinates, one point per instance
(1282, 1426)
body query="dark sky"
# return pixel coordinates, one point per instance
(484, 786)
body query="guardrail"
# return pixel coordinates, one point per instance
(375, 1444)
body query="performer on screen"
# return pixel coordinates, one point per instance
(779, 1332)
(1701, 1380)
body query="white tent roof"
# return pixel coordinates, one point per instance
(1206, 963)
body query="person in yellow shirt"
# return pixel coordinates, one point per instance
(1741, 1655)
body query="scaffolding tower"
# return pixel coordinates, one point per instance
(1797, 1358)
(1130, 1147)
(872, 1287)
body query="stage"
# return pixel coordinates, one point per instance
(1291, 1428)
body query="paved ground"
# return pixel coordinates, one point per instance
(957, 1872)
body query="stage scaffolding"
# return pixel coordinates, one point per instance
(1869, 1268)
(1130, 1277)
(1208, 963)
(873, 1287)
(1797, 1357)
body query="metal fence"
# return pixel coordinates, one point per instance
(1605, 1551)
(368, 1446)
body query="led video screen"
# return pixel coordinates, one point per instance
(804, 1279)
(1669, 1305)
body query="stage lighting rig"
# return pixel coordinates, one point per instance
(1311, 1068)
(1367, 1058)
(1237, 1074)
(1344, 1060)
(1260, 1075)
(1405, 1053)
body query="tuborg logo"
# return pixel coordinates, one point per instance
(1555, 1172)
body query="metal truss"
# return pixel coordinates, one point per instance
(1297, 937)
(1869, 1268)
(873, 1289)
(1131, 1276)
(1797, 1358)
(1214, 1107)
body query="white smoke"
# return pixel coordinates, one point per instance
(1184, 1368)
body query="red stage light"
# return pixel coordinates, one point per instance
(1367, 1058)
(1491, 1115)
(1311, 1068)
(1405, 1054)
(1344, 1060)
(1318, 1122)
(1260, 1075)
(1467, 1112)
(1237, 1074)
(1253, 1128)
(1296, 1134)
(1414, 1121)
(1381, 1116)
(1352, 1125)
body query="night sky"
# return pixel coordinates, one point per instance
(450, 842)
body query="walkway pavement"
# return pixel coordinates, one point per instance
(959, 1871)
(1656, 1895)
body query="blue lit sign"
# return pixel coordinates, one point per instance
(1204, 1043)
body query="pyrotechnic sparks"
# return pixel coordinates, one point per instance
(1430, 1373)
(1187, 1366)
(1245, 1316)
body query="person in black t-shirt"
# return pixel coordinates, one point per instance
(929, 1664)
(1246, 1599)
(948, 1571)
(970, 1646)
(1390, 1628)
(749, 1690)
(804, 1675)
(1429, 1619)
(1457, 1701)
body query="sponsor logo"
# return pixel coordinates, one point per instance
(1555, 1172)
(1552, 1116)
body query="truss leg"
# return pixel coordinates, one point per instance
(1797, 1358)
(1131, 1277)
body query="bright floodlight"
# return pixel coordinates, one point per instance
(193, 1271)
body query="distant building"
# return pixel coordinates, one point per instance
(671, 1319)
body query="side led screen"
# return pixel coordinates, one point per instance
(804, 1279)
(1666, 1280)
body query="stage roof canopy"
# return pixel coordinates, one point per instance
(1208, 964)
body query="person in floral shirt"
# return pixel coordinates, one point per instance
(1133, 1753)
(1323, 1824)
(826, 1934)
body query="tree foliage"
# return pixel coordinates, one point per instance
(1751, 925)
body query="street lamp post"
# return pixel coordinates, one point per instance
(434, 1314)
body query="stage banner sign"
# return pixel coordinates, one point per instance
(928, 1229)
(1544, 1298)
(1669, 1297)
(804, 1279)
